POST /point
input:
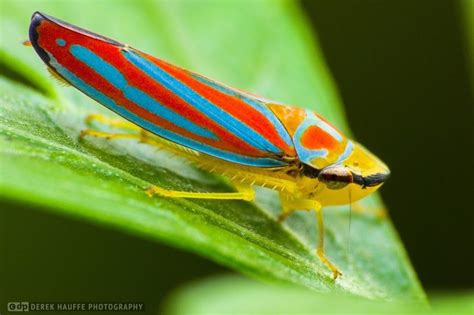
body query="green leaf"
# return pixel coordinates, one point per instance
(263, 47)
(237, 295)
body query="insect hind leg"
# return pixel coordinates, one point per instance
(135, 132)
(109, 135)
(244, 192)
(111, 122)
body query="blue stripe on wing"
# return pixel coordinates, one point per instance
(114, 77)
(217, 114)
(200, 147)
(255, 103)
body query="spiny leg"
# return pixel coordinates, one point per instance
(244, 192)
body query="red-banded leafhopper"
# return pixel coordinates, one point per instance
(247, 138)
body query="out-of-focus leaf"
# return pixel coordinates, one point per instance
(237, 295)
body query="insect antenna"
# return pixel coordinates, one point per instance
(350, 224)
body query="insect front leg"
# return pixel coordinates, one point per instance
(290, 205)
(320, 249)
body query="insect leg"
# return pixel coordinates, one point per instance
(139, 133)
(286, 209)
(320, 249)
(244, 192)
(112, 122)
(291, 205)
(109, 135)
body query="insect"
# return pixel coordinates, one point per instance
(244, 137)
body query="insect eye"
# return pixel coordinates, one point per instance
(335, 177)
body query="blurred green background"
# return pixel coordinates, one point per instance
(402, 68)
(402, 71)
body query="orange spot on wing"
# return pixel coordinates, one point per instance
(316, 138)
(291, 117)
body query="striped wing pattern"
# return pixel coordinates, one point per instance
(178, 105)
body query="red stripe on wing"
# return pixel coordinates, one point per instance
(112, 54)
(231, 104)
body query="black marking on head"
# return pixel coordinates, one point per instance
(364, 181)
(309, 171)
(371, 180)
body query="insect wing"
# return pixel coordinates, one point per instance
(178, 105)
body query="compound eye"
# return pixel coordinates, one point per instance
(335, 177)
